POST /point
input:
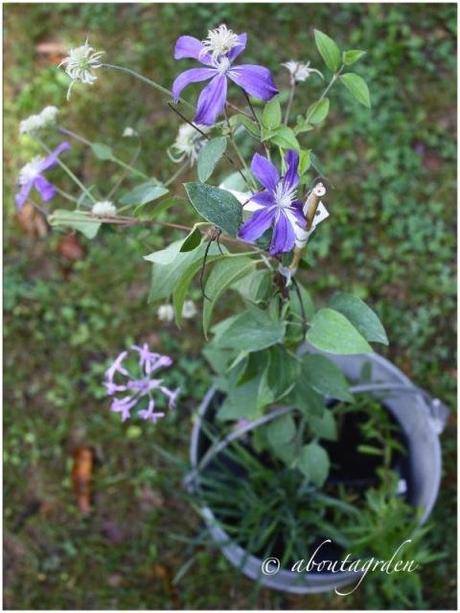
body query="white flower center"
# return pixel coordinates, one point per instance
(284, 196)
(223, 65)
(30, 171)
(220, 41)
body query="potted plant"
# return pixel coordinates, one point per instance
(308, 440)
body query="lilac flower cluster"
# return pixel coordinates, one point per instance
(136, 389)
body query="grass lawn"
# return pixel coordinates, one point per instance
(390, 240)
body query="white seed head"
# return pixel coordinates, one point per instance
(165, 312)
(104, 208)
(219, 42)
(129, 132)
(30, 171)
(34, 123)
(188, 143)
(80, 63)
(300, 72)
(189, 309)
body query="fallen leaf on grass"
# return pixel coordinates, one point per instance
(82, 472)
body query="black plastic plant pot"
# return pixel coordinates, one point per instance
(421, 420)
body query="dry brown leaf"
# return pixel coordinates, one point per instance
(32, 221)
(70, 248)
(82, 472)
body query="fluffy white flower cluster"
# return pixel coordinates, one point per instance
(80, 63)
(166, 311)
(44, 119)
(188, 143)
(104, 208)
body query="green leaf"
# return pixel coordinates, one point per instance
(185, 279)
(361, 316)
(77, 220)
(357, 87)
(192, 240)
(280, 431)
(284, 137)
(101, 151)
(332, 332)
(304, 161)
(328, 50)
(251, 126)
(217, 206)
(314, 463)
(325, 377)
(252, 330)
(324, 426)
(271, 116)
(222, 275)
(318, 111)
(209, 156)
(255, 286)
(242, 402)
(304, 398)
(351, 56)
(170, 264)
(144, 193)
(283, 371)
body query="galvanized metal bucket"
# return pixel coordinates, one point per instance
(421, 418)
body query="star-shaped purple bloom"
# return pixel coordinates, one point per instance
(277, 205)
(31, 176)
(255, 80)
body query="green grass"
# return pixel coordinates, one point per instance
(390, 239)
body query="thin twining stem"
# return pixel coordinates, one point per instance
(290, 101)
(237, 151)
(177, 174)
(66, 169)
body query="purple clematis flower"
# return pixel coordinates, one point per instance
(276, 206)
(139, 386)
(218, 53)
(31, 176)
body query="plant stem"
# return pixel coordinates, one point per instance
(290, 100)
(114, 159)
(335, 76)
(153, 84)
(68, 171)
(178, 172)
(238, 153)
(65, 194)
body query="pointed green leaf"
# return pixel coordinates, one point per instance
(330, 331)
(271, 116)
(217, 206)
(328, 50)
(361, 316)
(144, 193)
(222, 275)
(318, 111)
(209, 156)
(351, 56)
(252, 330)
(357, 87)
(324, 426)
(314, 463)
(325, 377)
(77, 220)
(101, 151)
(285, 138)
(192, 240)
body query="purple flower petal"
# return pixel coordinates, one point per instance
(265, 172)
(297, 210)
(191, 47)
(51, 159)
(235, 52)
(193, 75)
(283, 238)
(264, 198)
(256, 80)
(23, 194)
(44, 188)
(211, 101)
(291, 178)
(257, 224)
